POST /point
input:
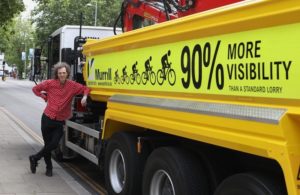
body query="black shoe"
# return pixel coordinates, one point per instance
(49, 172)
(33, 164)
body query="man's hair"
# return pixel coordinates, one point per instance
(60, 65)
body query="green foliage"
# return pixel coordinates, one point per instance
(50, 15)
(4, 38)
(20, 38)
(8, 9)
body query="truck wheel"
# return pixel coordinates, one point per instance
(250, 184)
(174, 171)
(123, 165)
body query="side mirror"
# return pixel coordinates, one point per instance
(37, 61)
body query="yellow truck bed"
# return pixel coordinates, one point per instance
(232, 80)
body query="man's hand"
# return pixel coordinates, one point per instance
(83, 100)
(44, 96)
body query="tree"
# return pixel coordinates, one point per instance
(5, 33)
(21, 35)
(8, 9)
(50, 15)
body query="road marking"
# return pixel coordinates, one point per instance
(98, 188)
(23, 126)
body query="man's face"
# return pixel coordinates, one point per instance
(62, 74)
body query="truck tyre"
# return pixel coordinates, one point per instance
(250, 184)
(174, 171)
(123, 165)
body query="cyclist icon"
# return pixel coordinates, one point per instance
(124, 70)
(134, 70)
(147, 65)
(124, 77)
(148, 74)
(165, 62)
(135, 76)
(166, 73)
(117, 78)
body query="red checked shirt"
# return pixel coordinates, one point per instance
(59, 97)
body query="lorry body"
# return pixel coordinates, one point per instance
(64, 39)
(204, 104)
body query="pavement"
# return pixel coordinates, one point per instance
(15, 175)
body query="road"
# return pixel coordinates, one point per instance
(17, 97)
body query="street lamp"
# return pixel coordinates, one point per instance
(3, 75)
(24, 60)
(89, 4)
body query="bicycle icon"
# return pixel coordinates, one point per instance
(124, 77)
(166, 72)
(135, 76)
(121, 79)
(117, 78)
(148, 74)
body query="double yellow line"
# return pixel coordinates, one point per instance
(23, 126)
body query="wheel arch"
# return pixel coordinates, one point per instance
(113, 126)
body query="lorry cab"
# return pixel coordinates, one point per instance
(62, 43)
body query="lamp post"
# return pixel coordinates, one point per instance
(3, 76)
(96, 8)
(24, 60)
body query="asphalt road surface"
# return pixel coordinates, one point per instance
(17, 97)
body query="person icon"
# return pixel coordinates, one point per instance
(165, 62)
(134, 69)
(147, 66)
(116, 73)
(124, 71)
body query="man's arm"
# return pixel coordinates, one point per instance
(83, 100)
(40, 89)
(81, 89)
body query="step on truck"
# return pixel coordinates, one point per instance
(203, 104)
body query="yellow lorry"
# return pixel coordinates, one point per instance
(204, 104)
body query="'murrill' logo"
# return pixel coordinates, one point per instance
(103, 74)
(90, 71)
(97, 73)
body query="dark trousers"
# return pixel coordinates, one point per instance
(52, 131)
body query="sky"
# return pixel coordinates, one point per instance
(29, 5)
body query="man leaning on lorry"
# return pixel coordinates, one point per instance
(58, 94)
